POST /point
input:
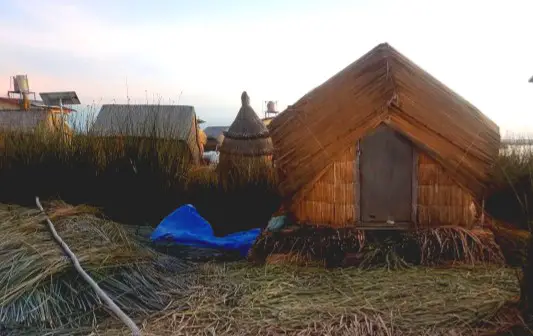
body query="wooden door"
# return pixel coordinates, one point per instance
(386, 178)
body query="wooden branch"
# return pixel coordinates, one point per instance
(120, 314)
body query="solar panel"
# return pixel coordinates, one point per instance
(60, 98)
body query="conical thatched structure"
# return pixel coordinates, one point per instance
(247, 142)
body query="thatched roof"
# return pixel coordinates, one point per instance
(383, 86)
(22, 121)
(214, 132)
(160, 121)
(167, 121)
(247, 135)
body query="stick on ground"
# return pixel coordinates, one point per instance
(120, 314)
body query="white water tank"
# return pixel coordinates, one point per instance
(20, 84)
(271, 107)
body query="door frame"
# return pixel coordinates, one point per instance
(414, 193)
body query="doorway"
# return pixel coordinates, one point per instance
(386, 165)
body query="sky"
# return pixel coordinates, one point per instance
(206, 52)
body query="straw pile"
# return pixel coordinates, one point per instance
(237, 299)
(370, 249)
(40, 288)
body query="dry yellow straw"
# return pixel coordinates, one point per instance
(120, 314)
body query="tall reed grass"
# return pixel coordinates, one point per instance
(141, 179)
(511, 199)
(135, 180)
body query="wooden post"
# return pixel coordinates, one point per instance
(135, 331)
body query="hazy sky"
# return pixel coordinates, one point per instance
(210, 51)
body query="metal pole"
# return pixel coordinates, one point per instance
(61, 116)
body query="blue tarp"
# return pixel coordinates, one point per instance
(185, 226)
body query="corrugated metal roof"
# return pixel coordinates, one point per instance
(163, 121)
(213, 132)
(21, 120)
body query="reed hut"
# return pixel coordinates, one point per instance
(383, 144)
(247, 142)
(215, 136)
(20, 116)
(168, 122)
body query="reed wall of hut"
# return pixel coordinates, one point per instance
(331, 200)
(440, 199)
(334, 199)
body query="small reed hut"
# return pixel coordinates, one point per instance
(215, 137)
(247, 144)
(383, 144)
(23, 116)
(168, 122)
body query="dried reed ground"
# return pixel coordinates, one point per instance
(40, 289)
(227, 299)
(231, 299)
(239, 299)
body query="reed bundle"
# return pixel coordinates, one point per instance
(40, 288)
(391, 249)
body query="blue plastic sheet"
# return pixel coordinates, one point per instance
(185, 226)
